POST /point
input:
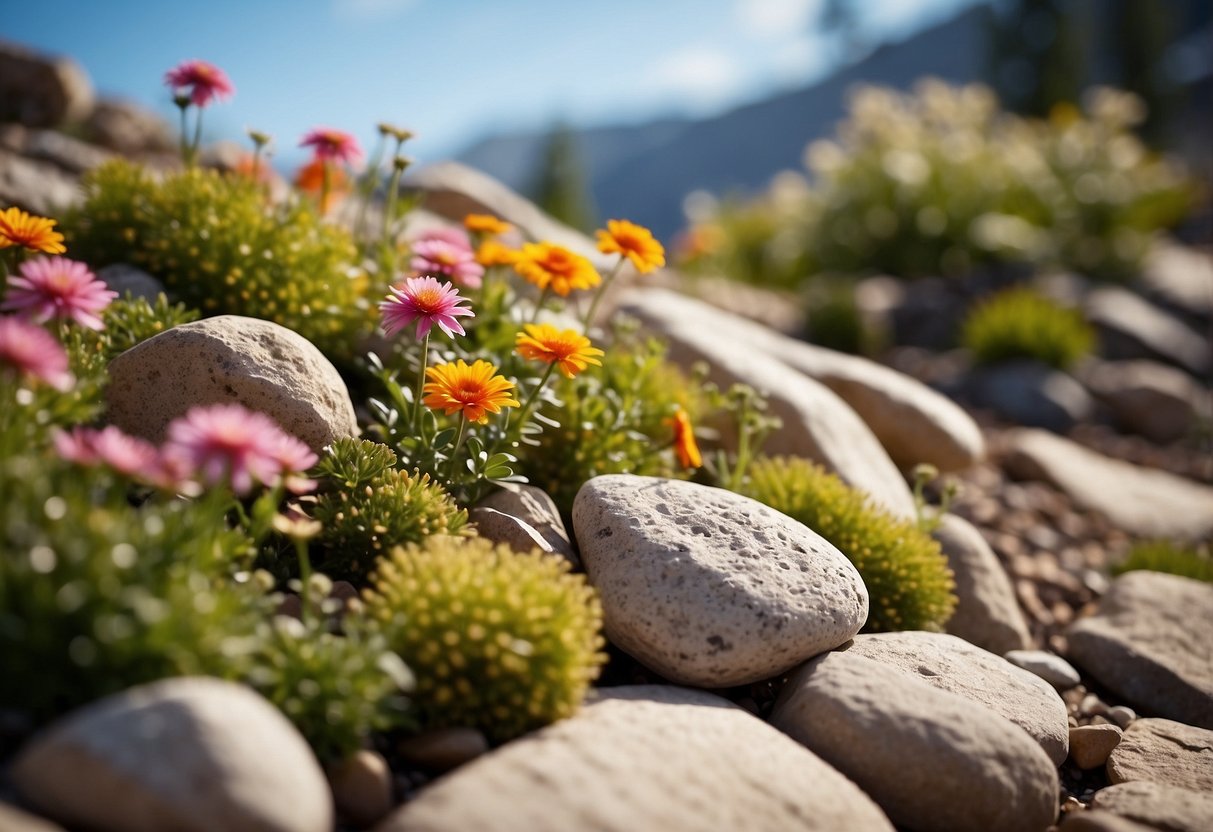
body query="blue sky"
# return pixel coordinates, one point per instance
(450, 70)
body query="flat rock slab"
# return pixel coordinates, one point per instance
(1141, 501)
(952, 664)
(1148, 641)
(816, 422)
(987, 612)
(1158, 806)
(183, 755)
(645, 758)
(1132, 327)
(230, 359)
(1164, 751)
(930, 758)
(710, 588)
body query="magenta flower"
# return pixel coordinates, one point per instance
(55, 287)
(329, 144)
(294, 457)
(204, 80)
(427, 301)
(32, 351)
(226, 444)
(111, 447)
(454, 236)
(435, 256)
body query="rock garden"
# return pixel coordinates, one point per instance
(379, 499)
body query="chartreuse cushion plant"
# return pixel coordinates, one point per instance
(1188, 560)
(1020, 323)
(910, 586)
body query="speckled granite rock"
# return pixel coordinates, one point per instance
(645, 758)
(230, 359)
(710, 588)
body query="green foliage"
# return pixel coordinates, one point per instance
(910, 586)
(367, 507)
(1190, 561)
(218, 247)
(500, 641)
(1020, 323)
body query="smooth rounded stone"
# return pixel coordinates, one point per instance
(1148, 641)
(538, 510)
(63, 151)
(123, 278)
(645, 758)
(444, 749)
(127, 128)
(987, 613)
(1164, 751)
(1049, 666)
(362, 787)
(1090, 745)
(39, 90)
(515, 532)
(182, 755)
(1158, 402)
(952, 664)
(1031, 393)
(38, 187)
(1132, 327)
(1122, 716)
(815, 422)
(1143, 502)
(710, 588)
(230, 359)
(932, 759)
(1158, 806)
(1180, 276)
(13, 819)
(1094, 820)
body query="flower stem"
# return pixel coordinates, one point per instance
(185, 148)
(543, 296)
(425, 354)
(305, 577)
(530, 400)
(589, 316)
(324, 187)
(463, 423)
(197, 136)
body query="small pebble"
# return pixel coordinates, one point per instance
(1053, 669)
(362, 787)
(1122, 716)
(1092, 705)
(444, 749)
(1090, 745)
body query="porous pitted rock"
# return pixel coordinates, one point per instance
(1158, 806)
(1049, 666)
(1031, 393)
(40, 90)
(930, 758)
(182, 755)
(1152, 399)
(362, 787)
(987, 613)
(538, 510)
(1131, 327)
(1164, 751)
(708, 587)
(1141, 501)
(224, 360)
(816, 422)
(1090, 745)
(645, 758)
(1148, 641)
(952, 664)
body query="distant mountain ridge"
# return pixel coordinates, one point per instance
(643, 172)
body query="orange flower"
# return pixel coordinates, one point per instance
(566, 347)
(634, 242)
(310, 180)
(18, 228)
(485, 224)
(684, 440)
(475, 391)
(548, 265)
(492, 253)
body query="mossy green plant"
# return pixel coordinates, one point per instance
(1021, 323)
(1188, 560)
(367, 506)
(910, 586)
(501, 641)
(217, 246)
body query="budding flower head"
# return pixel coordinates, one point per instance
(401, 162)
(259, 139)
(398, 133)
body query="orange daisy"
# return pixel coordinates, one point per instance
(17, 228)
(485, 224)
(492, 253)
(554, 267)
(475, 390)
(567, 348)
(684, 440)
(310, 180)
(635, 242)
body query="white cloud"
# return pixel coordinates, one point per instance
(776, 19)
(703, 74)
(371, 9)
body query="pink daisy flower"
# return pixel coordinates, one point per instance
(204, 80)
(295, 457)
(426, 301)
(111, 447)
(32, 351)
(458, 262)
(227, 444)
(329, 144)
(454, 236)
(55, 287)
